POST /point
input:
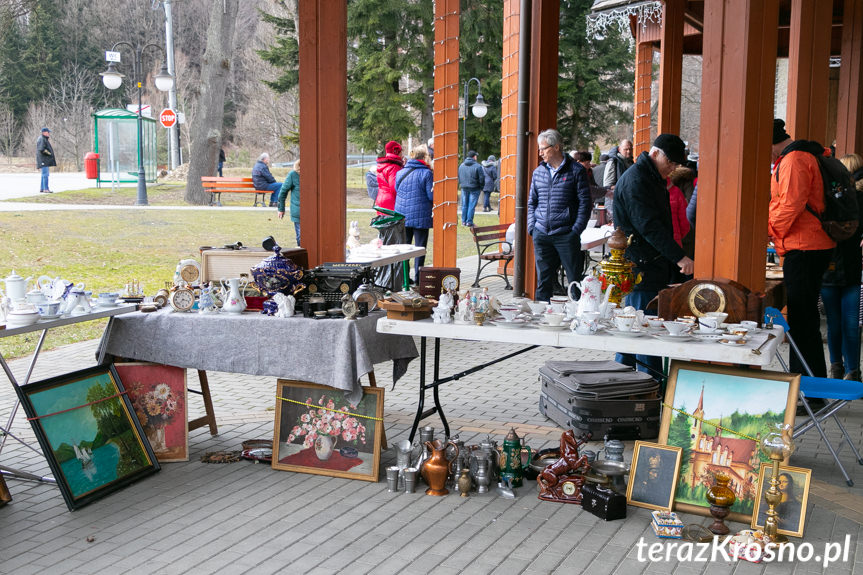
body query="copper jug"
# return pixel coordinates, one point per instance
(436, 468)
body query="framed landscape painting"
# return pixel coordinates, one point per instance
(717, 415)
(88, 432)
(794, 490)
(318, 431)
(159, 397)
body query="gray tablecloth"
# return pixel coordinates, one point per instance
(333, 352)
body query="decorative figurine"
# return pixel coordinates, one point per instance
(464, 312)
(206, 303)
(721, 498)
(484, 301)
(562, 480)
(286, 305)
(777, 445)
(354, 236)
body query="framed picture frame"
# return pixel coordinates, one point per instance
(160, 399)
(318, 431)
(794, 487)
(88, 432)
(5, 496)
(717, 415)
(653, 476)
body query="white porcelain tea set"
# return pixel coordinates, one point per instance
(51, 298)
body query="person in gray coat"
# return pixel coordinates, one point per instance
(471, 178)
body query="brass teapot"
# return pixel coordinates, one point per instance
(615, 270)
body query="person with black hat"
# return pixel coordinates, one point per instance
(44, 159)
(799, 238)
(642, 209)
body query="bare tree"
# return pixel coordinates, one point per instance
(8, 135)
(70, 99)
(207, 129)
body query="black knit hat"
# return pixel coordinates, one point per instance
(779, 133)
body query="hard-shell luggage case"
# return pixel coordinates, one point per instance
(614, 419)
(561, 367)
(600, 385)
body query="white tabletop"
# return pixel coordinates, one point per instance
(385, 255)
(645, 345)
(95, 313)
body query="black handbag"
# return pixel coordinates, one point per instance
(603, 502)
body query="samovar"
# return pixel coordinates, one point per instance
(615, 269)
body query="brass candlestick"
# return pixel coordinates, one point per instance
(777, 445)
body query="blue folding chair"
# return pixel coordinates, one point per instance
(836, 392)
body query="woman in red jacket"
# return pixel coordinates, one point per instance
(388, 166)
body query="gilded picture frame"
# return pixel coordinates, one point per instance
(794, 487)
(717, 415)
(653, 476)
(318, 431)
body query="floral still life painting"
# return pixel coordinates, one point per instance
(158, 394)
(717, 415)
(88, 433)
(318, 431)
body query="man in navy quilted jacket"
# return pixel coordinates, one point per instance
(558, 208)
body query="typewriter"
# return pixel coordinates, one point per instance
(333, 280)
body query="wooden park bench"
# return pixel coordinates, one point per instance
(490, 240)
(217, 186)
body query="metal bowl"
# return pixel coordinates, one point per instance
(540, 460)
(610, 468)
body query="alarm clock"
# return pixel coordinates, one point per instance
(188, 271)
(181, 298)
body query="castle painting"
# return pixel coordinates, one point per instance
(719, 417)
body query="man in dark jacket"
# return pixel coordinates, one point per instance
(642, 209)
(263, 179)
(490, 168)
(619, 160)
(44, 159)
(558, 208)
(471, 178)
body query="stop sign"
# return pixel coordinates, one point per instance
(168, 117)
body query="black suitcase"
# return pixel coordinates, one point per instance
(603, 502)
(582, 386)
(595, 366)
(612, 419)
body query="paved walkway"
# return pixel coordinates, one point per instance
(245, 518)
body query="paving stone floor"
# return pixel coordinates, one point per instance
(243, 517)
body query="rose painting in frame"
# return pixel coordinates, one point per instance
(158, 394)
(717, 415)
(317, 430)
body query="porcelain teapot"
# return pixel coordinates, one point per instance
(592, 299)
(16, 286)
(234, 301)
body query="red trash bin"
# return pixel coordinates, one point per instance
(91, 165)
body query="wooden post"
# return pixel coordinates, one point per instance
(509, 110)
(671, 66)
(740, 38)
(849, 124)
(446, 94)
(808, 63)
(323, 127)
(643, 80)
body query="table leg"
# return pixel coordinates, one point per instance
(210, 417)
(374, 383)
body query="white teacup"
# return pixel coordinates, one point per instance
(558, 303)
(48, 307)
(676, 327)
(509, 312)
(719, 316)
(35, 297)
(537, 307)
(108, 298)
(553, 318)
(624, 322)
(749, 324)
(654, 321)
(521, 303)
(708, 324)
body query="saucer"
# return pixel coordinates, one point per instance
(630, 333)
(547, 327)
(516, 323)
(53, 316)
(670, 337)
(709, 336)
(733, 343)
(101, 304)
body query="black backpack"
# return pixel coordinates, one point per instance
(841, 214)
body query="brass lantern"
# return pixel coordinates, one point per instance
(616, 269)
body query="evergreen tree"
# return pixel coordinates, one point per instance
(42, 57)
(284, 54)
(390, 69)
(596, 75)
(481, 50)
(15, 87)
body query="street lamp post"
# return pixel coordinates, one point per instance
(164, 82)
(479, 108)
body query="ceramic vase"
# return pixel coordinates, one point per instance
(324, 445)
(156, 435)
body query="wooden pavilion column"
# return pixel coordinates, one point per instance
(808, 69)
(323, 127)
(671, 66)
(643, 80)
(445, 115)
(509, 109)
(739, 71)
(543, 103)
(849, 125)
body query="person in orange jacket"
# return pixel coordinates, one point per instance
(798, 237)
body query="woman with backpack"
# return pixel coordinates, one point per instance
(840, 292)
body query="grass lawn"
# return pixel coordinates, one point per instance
(104, 249)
